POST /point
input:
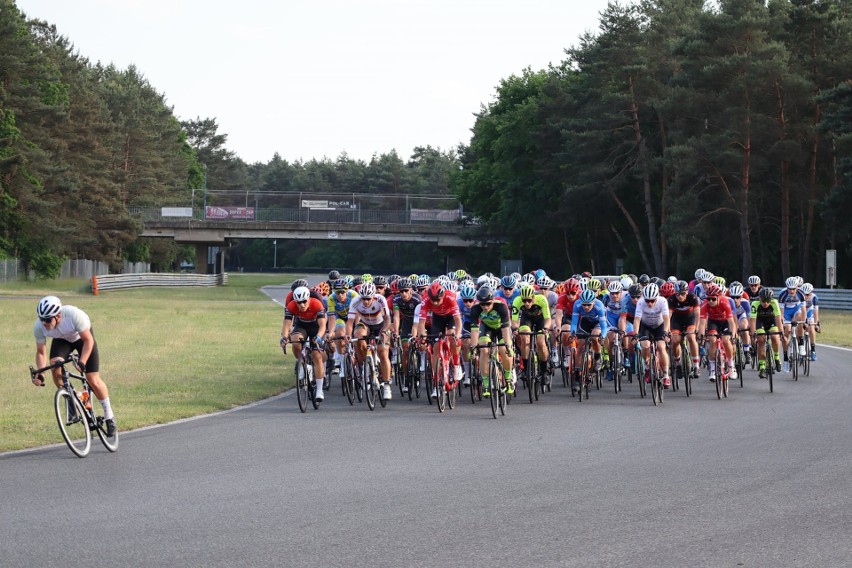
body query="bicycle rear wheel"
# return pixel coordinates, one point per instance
(440, 384)
(806, 360)
(739, 361)
(494, 387)
(72, 422)
(770, 364)
(564, 367)
(720, 371)
(97, 412)
(302, 385)
(794, 357)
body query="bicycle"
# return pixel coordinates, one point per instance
(497, 388)
(443, 380)
(566, 354)
(352, 371)
(616, 360)
(721, 382)
(306, 386)
(739, 357)
(656, 381)
(395, 355)
(586, 369)
(769, 352)
(370, 374)
(793, 354)
(681, 367)
(412, 377)
(75, 413)
(805, 360)
(475, 377)
(536, 371)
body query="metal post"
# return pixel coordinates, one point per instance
(275, 254)
(204, 213)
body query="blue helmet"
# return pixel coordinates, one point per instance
(587, 297)
(508, 281)
(467, 292)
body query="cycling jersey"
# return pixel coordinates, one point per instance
(652, 315)
(464, 310)
(789, 301)
(73, 321)
(501, 294)
(538, 309)
(720, 312)
(335, 306)
(596, 317)
(448, 306)
(614, 308)
(406, 308)
(765, 313)
(373, 313)
(495, 318)
(314, 311)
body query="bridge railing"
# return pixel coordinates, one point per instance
(314, 208)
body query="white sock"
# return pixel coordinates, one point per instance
(319, 384)
(108, 415)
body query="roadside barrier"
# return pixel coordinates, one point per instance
(145, 279)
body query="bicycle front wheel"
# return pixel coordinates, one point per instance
(440, 383)
(370, 382)
(494, 387)
(97, 412)
(72, 422)
(806, 360)
(302, 385)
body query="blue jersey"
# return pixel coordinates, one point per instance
(509, 299)
(629, 308)
(614, 308)
(464, 310)
(596, 317)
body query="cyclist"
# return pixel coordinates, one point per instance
(812, 310)
(717, 317)
(685, 308)
(562, 317)
(652, 320)
(765, 317)
(625, 324)
(368, 317)
(70, 329)
(305, 320)
(404, 305)
(614, 305)
(446, 319)
(492, 321)
(589, 319)
(792, 303)
(337, 311)
(531, 312)
(754, 286)
(508, 289)
(742, 308)
(466, 298)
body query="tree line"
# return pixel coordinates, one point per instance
(679, 134)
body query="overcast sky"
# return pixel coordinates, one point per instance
(311, 79)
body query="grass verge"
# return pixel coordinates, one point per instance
(166, 353)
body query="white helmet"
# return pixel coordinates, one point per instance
(792, 282)
(651, 291)
(368, 290)
(736, 290)
(754, 280)
(800, 280)
(699, 274)
(301, 294)
(615, 286)
(626, 282)
(48, 307)
(807, 288)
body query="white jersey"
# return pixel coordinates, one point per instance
(652, 315)
(73, 321)
(373, 313)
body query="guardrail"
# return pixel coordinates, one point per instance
(121, 281)
(834, 299)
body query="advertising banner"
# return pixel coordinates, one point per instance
(227, 212)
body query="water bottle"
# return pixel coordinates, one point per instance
(84, 398)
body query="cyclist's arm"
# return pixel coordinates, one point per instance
(88, 345)
(41, 355)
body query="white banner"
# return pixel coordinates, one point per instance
(176, 211)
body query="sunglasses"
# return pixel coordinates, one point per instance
(341, 291)
(713, 299)
(527, 301)
(302, 302)
(487, 304)
(650, 301)
(47, 320)
(423, 289)
(404, 290)
(682, 293)
(367, 298)
(466, 301)
(587, 305)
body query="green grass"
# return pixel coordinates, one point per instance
(836, 328)
(166, 353)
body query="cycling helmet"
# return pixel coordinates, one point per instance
(340, 284)
(547, 284)
(483, 280)
(719, 281)
(584, 283)
(461, 274)
(467, 292)
(436, 291)
(394, 286)
(587, 297)
(651, 291)
(541, 281)
(708, 277)
(713, 291)
(682, 286)
(368, 290)
(667, 289)
(301, 294)
(586, 274)
(539, 273)
(672, 279)
(324, 288)
(357, 281)
(594, 284)
(527, 292)
(529, 278)
(572, 285)
(800, 280)
(644, 279)
(349, 280)
(699, 274)
(508, 281)
(298, 283)
(380, 281)
(615, 287)
(451, 285)
(626, 282)
(404, 284)
(485, 294)
(807, 288)
(754, 280)
(48, 307)
(792, 282)
(635, 290)
(736, 290)
(333, 275)
(422, 280)
(766, 293)
(493, 282)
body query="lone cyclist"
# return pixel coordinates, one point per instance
(71, 330)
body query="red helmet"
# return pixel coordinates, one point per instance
(436, 291)
(713, 291)
(667, 289)
(572, 285)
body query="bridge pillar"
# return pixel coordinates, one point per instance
(200, 258)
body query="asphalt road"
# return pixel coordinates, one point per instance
(758, 479)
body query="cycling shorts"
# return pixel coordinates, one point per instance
(440, 324)
(717, 326)
(656, 332)
(62, 348)
(306, 329)
(787, 314)
(683, 322)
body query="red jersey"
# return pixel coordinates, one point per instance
(449, 306)
(566, 304)
(314, 311)
(720, 312)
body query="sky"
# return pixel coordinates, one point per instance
(313, 79)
